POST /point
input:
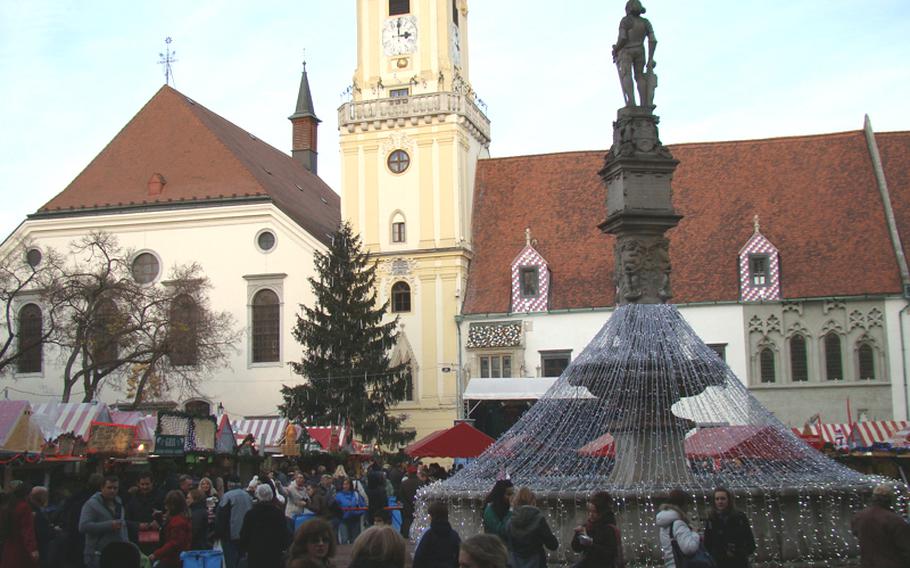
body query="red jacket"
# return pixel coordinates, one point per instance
(176, 537)
(21, 542)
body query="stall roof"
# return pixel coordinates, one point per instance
(459, 441)
(268, 432)
(519, 389)
(145, 423)
(17, 432)
(750, 441)
(867, 433)
(58, 418)
(331, 438)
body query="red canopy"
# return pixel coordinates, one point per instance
(459, 441)
(755, 442)
(604, 447)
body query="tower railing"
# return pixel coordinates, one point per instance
(376, 113)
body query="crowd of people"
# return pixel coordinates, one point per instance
(297, 519)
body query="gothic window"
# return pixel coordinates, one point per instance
(399, 7)
(799, 363)
(30, 340)
(834, 364)
(409, 385)
(495, 366)
(553, 363)
(866, 355)
(399, 161)
(401, 297)
(758, 269)
(145, 268)
(455, 11)
(266, 327)
(183, 339)
(529, 281)
(766, 365)
(104, 333)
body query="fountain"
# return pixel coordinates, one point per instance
(647, 407)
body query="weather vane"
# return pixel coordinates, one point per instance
(167, 58)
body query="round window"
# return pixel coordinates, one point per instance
(399, 161)
(145, 268)
(266, 241)
(33, 257)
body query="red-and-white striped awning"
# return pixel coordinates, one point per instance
(145, 424)
(869, 432)
(58, 418)
(266, 431)
(832, 433)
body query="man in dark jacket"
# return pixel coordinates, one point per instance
(415, 480)
(102, 521)
(439, 546)
(141, 509)
(264, 536)
(884, 537)
(72, 510)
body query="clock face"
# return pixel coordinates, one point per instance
(399, 35)
(455, 45)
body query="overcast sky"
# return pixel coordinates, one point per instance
(73, 73)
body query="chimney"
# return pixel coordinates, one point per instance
(305, 125)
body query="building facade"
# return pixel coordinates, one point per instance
(410, 139)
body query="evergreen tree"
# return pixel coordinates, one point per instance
(349, 376)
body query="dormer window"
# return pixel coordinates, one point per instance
(529, 281)
(397, 7)
(758, 269)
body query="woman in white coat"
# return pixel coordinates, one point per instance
(672, 522)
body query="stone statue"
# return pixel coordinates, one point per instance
(629, 56)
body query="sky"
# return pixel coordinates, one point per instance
(73, 73)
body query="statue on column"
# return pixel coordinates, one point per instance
(629, 56)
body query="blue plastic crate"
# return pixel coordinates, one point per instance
(202, 558)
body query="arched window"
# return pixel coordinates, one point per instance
(834, 364)
(799, 364)
(866, 355)
(766, 365)
(30, 340)
(266, 327)
(183, 336)
(401, 297)
(399, 232)
(104, 333)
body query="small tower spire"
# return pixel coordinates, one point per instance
(755, 223)
(305, 126)
(528, 236)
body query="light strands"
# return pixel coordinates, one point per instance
(647, 407)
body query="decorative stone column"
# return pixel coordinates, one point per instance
(637, 173)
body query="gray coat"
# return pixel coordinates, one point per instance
(96, 523)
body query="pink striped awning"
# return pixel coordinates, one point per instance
(58, 418)
(870, 432)
(833, 433)
(266, 431)
(145, 424)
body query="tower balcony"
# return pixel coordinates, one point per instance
(397, 112)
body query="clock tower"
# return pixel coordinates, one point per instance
(410, 137)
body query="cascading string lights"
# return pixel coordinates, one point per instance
(646, 408)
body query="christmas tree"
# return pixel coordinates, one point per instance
(349, 377)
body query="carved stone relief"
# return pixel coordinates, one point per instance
(642, 269)
(397, 141)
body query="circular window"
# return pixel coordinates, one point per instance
(265, 241)
(33, 257)
(399, 161)
(145, 268)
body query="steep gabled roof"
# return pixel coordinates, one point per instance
(816, 196)
(204, 159)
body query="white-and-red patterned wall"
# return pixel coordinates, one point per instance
(759, 245)
(527, 259)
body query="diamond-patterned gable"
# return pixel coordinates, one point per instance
(530, 258)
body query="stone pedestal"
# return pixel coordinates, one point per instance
(637, 174)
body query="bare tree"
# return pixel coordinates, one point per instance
(114, 327)
(27, 274)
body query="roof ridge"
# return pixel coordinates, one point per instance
(524, 156)
(832, 135)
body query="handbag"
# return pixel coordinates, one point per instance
(149, 536)
(700, 559)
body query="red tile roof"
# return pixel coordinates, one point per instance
(816, 198)
(204, 159)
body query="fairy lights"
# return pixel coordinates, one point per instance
(666, 412)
